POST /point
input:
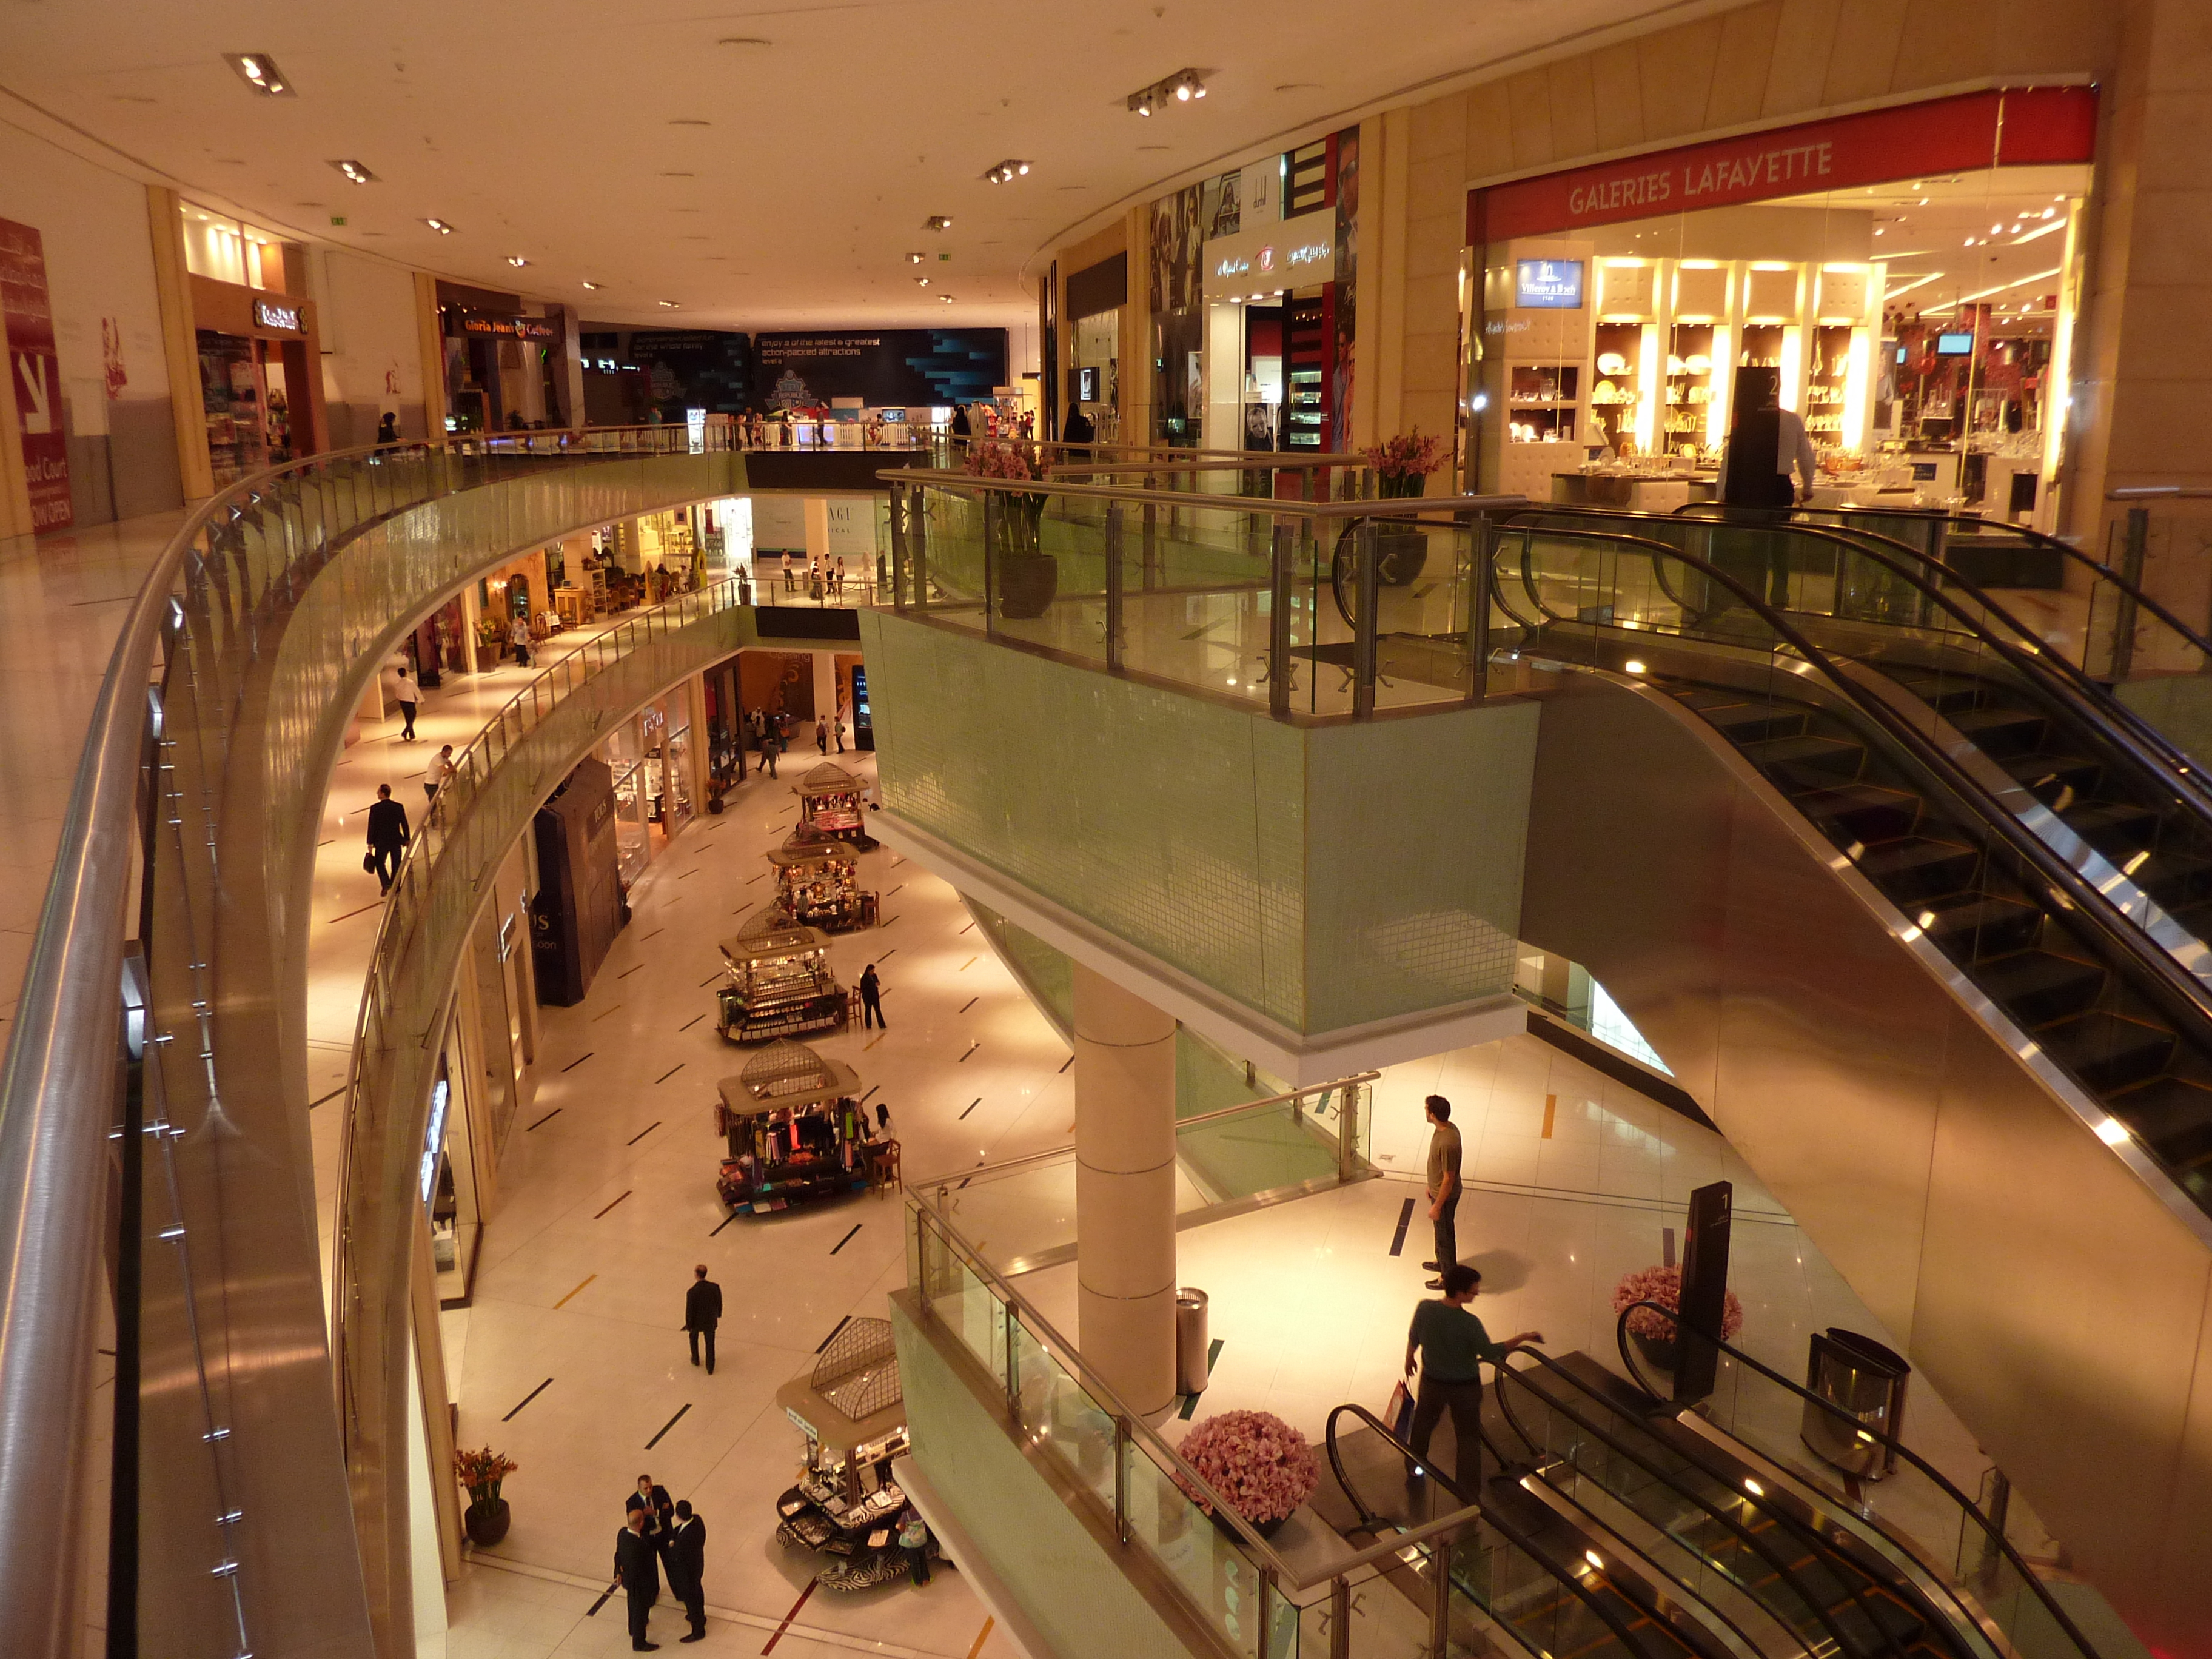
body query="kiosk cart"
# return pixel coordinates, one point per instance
(779, 982)
(795, 1129)
(832, 805)
(847, 1503)
(818, 885)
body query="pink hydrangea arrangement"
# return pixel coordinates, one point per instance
(1257, 1461)
(993, 459)
(1401, 463)
(1664, 1286)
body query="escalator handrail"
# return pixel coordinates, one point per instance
(1742, 1534)
(2144, 743)
(1991, 1532)
(2076, 893)
(1509, 1530)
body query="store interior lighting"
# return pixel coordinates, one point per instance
(355, 171)
(1181, 88)
(259, 70)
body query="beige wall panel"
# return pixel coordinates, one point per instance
(1862, 61)
(1799, 67)
(1738, 91)
(1528, 99)
(2167, 339)
(1440, 128)
(1617, 84)
(1489, 132)
(2183, 122)
(2023, 1210)
(1436, 191)
(2189, 1518)
(2157, 428)
(1574, 107)
(1677, 66)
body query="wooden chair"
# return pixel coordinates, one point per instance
(885, 1169)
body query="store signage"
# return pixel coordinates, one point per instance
(695, 431)
(2034, 125)
(511, 328)
(35, 373)
(268, 315)
(1548, 285)
(1298, 253)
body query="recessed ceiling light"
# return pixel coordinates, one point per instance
(937, 221)
(668, 305)
(516, 260)
(921, 281)
(915, 258)
(593, 287)
(259, 70)
(355, 171)
(1006, 172)
(947, 298)
(440, 226)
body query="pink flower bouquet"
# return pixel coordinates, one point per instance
(1260, 1463)
(993, 459)
(1664, 1286)
(1401, 463)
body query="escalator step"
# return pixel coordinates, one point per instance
(2108, 1050)
(2037, 987)
(2108, 825)
(1944, 691)
(1863, 812)
(2175, 878)
(1972, 928)
(2047, 776)
(2173, 1115)
(1748, 722)
(1806, 762)
(2001, 731)
(1915, 867)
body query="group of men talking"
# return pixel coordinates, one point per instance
(658, 1535)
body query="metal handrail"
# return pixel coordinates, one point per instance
(1888, 1442)
(1406, 507)
(2159, 493)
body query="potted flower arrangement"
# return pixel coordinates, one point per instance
(1261, 1464)
(1401, 468)
(1028, 576)
(1654, 1333)
(482, 1473)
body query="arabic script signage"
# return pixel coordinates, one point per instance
(35, 373)
(1298, 253)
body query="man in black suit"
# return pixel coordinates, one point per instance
(702, 1311)
(687, 1568)
(637, 1566)
(387, 835)
(659, 1513)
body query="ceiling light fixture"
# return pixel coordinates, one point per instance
(947, 298)
(915, 258)
(1181, 88)
(440, 226)
(668, 305)
(1006, 172)
(259, 70)
(355, 172)
(591, 287)
(937, 221)
(516, 260)
(921, 281)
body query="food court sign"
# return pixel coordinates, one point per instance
(1298, 253)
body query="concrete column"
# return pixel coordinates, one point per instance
(1125, 1190)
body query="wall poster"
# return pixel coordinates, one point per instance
(888, 368)
(34, 374)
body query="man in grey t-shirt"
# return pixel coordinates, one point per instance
(1444, 1186)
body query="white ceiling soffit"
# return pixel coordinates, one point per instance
(760, 166)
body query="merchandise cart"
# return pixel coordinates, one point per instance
(794, 1131)
(818, 885)
(778, 982)
(832, 806)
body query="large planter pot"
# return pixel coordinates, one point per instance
(1265, 1528)
(1658, 1353)
(1027, 584)
(487, 1523)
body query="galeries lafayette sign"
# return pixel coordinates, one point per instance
(2026, 126)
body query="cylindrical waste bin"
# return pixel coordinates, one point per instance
(1190, 1340)
(1867, 1380)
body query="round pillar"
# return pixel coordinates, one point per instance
(1125, 1190)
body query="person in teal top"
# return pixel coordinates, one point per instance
(1452, 1348)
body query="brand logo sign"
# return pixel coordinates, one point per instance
(1296, 252)
(269, 314)
(1548, 284)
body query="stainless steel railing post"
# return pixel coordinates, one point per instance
(1280, 592)
(1113, 585)
(1363, 629)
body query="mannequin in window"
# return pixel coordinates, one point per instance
(1765, 443)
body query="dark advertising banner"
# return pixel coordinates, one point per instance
(691, 368)
(890, 368)
(35, 373)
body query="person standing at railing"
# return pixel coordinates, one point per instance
(388, 836)
(1443, 1186)
(1454, 1347)
(961, 428)
(387, 431)
(440, 773)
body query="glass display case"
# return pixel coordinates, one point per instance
(817, 884)
(793, 1131)
(778, 981)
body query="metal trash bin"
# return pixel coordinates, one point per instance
(1868, 1380)
(1190, 1340)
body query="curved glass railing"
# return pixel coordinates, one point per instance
(2109, 1006)
(1916, 1506)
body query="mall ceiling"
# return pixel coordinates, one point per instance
(758, 165)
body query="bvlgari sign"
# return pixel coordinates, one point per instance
(1298, 253)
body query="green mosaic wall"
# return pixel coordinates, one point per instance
(1322, 878)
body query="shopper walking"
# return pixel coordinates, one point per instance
(821, 732)
(1454, 1347)
(914, 1540)
(440, 773)
(1444, 1186)
(637, 1569)
(517, 636)
(388, 837)
(838, 729)
(702, 1311)
(687, 1568)
(770, 746)
(399, 688)
(872, 999)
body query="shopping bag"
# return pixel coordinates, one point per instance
(369, 862)
(1399, 1415)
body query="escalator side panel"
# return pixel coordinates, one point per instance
(2033, 1278)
